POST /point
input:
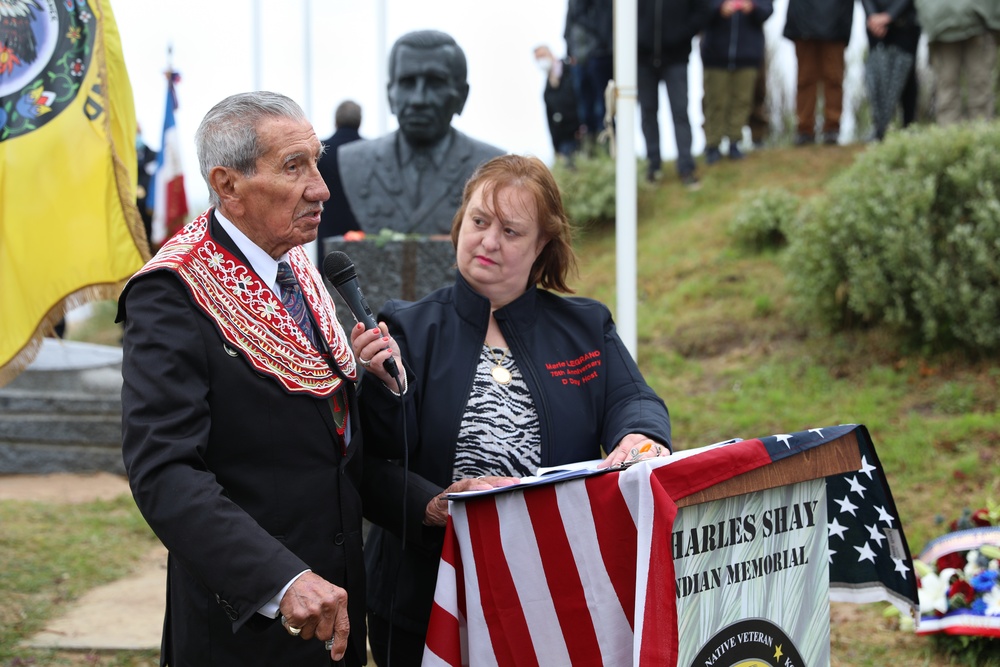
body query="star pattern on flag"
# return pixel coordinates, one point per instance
(784, 438)
(856, 486)
(865, 553)
(875, 534)
(861, 514)
(817, 431)
(846, 505)
(884, 516)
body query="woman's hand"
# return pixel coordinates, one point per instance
(436, 513)
(372, 348)
(634, 447)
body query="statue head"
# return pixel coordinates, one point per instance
(427, 85)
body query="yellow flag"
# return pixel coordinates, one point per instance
(69, 228)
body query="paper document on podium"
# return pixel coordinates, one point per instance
(542, 476)
(561, 473)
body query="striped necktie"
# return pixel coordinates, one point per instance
(294, 302)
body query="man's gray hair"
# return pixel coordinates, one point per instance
(227, 136)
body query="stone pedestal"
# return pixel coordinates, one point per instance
(64, 413)
(408, 269)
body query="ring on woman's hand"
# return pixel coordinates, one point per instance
(364, 363)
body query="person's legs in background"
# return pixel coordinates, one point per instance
(590, 80)
(648, 92)
(908, 39)
(676, 79)
(832, 74)
(584, 99)
(741, 83)
(908, 98)
(713, 106)
(759, 122)
(599, 72)
(980, 75)
(807, 55)
(946, 61)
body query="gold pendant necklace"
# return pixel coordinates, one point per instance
(499, 373)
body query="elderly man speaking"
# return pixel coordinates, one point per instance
(239, 409)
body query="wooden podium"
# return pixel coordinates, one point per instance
(724, 555)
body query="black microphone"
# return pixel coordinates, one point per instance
(340, 271)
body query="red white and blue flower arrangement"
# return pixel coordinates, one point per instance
(959, 589)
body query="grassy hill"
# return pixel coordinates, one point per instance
(719, 340)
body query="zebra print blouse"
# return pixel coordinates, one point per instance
(499, 434)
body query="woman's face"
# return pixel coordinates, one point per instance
(496, 248)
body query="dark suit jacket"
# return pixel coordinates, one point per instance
(245, 484)
(373, 180)
(337, 217)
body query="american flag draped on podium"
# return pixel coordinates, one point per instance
(598, 583)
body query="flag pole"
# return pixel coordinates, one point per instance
(382, 64)
(625, 32)
(255, 44)
(307, 64)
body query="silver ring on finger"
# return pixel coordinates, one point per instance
(365, 363)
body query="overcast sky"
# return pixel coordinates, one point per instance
(320, 52)
(214, 50)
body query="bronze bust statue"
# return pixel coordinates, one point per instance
(411, 180)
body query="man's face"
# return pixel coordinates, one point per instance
(279, 207)
(424, 94)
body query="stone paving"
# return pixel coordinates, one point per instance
(125, 614)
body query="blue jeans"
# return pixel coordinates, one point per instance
(590, 78)
(676, 79)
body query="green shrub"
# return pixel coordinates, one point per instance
(588, 188)
(908, 236)
(763, 219)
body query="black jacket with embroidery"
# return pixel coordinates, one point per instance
(585, 386)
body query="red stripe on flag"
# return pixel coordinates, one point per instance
(562, 576)
(443, 629)
(459, 576)
(696, 473)
(501, 607)
(176, 199)
(659, 621)
(444, 636)
(616, 536)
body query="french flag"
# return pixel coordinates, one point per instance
(167, 197)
